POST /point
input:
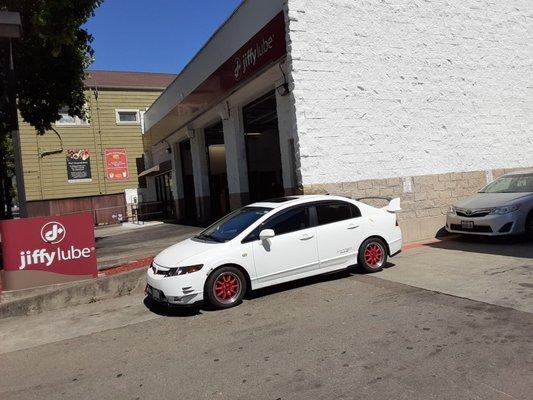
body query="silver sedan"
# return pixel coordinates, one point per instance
(503, 207)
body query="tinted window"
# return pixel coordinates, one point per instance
(355, 211)
(290, 221)
(335, 212)
(233, 224)
(285, 222)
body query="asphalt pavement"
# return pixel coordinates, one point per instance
(342, 336)
(121, 244)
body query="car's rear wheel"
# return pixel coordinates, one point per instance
(225, 287)
(372, 255)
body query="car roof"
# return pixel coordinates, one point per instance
(295, 200)
(524, 172)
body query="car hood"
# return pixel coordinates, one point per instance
(489, 200)
(173, 255)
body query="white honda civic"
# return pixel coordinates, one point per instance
(272, 242)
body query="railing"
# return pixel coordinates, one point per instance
(151, 210)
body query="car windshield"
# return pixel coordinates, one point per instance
(233, 224)
(510, 184)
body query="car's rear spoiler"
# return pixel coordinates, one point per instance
(394, 204)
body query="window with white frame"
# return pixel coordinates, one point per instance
(128, 117)
(67, 120)
(141, 114)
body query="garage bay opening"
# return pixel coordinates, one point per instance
(263, 154)
(218, 177)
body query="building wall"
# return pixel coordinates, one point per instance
(435, 92)
(229, 112)
(46, 178)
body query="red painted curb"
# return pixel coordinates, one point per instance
(417, 245)
(141, 263)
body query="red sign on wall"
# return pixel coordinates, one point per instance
(47, 250)
(116, 162)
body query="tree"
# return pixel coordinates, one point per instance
(50, 62)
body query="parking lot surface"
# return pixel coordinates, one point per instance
(116, 245)
(491, 270)
(401, 334)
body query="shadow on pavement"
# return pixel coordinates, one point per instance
(191, 311)
(512, 246)
(165, 311)
(352, 270)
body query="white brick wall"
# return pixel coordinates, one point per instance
(411, 87)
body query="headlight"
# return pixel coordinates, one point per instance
(505, 209)
(184, 270)
(452, 209)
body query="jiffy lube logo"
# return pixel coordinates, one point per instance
(52, 233)
(249, 58)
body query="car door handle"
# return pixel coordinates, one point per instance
(352, 226)
(307, 237)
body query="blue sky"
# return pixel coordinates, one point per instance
(154, 35)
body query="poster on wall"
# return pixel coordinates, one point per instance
(78, 166)
(116, 162)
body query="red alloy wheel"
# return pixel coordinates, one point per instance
(374, 255)
(227, 287)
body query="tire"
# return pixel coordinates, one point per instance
(225, 287)
(529, 225)
(372, 255)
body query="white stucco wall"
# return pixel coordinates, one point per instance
(411, 87)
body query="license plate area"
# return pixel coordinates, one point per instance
(467, 224)
(155, 293)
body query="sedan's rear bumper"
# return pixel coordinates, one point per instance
(395, 246)
(490, 225)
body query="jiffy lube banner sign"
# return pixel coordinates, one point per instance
(47, 250)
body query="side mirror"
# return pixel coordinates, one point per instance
(266, 234)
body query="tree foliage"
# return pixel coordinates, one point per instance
(51, 58)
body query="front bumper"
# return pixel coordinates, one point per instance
(183, 290)
(490, 225)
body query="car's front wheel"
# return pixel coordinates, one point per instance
(225, 287)
(372, 255)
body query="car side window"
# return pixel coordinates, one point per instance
(289, 221)
(356, 213)
(337, 211)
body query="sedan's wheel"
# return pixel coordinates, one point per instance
(225, 287)
(372, 255)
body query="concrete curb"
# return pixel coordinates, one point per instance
(90, 291)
